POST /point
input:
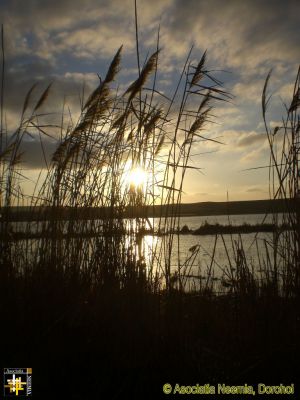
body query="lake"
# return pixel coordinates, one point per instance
(199, 256)
(193, 255)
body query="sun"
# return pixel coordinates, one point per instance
(137, 177)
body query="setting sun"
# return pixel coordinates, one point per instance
(137, 177)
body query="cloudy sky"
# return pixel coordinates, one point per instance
(71, 41)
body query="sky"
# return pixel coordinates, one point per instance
(71, 42)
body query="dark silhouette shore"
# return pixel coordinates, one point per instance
(40, 213)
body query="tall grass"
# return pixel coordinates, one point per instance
(284, 141)
(116, 133)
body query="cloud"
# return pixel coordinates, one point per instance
(286, 93)
(37, 155)
(238, 33)
(248, 91)
(240, 141)
(252, 138)
(60, 33)
(89, 29)
(255, 156)
(255, 190)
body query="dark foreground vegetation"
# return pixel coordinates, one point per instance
(107, 342)
(98, 317)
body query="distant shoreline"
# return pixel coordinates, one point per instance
(184, 210)
(204, 230)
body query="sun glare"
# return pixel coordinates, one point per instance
(137, 177)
